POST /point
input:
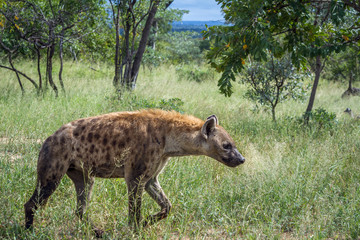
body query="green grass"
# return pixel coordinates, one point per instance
(297, 182)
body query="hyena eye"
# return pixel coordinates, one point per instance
(227, 146)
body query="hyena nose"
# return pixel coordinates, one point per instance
(240, 157)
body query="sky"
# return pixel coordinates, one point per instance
(200, 10)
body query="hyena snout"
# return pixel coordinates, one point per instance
(240, 158)
(234, 159)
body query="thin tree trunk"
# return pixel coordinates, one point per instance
(273, 113)
(49, 69)
(152, 38)
(155, 28)
(61, 64)
(318, 69)
(127, 59)
(350, 80)
(116, 19)
(38, 66)
(73, 53)
(17, 74)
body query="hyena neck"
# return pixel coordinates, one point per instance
(183, 144)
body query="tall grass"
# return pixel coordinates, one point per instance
(297, 182)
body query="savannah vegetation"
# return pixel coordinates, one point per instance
(301, 178)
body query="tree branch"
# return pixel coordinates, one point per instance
(21, 73)
(352, 4)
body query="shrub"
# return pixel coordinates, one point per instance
(134, 102)
(171, 104)
(195, 73)
(320, 119)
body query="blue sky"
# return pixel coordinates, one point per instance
(200, 10)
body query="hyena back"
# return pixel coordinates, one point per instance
(131, 145)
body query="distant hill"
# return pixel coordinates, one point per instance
(196, 26)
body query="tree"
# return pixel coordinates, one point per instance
(308, 30)
(161, 39)
(272, 82)
(345, 66)
(135, 18)
(10, 40)
(183, 47)
(42, 25)
(162, 22)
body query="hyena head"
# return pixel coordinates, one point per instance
(219, 145)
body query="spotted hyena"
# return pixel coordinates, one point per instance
(131, 145)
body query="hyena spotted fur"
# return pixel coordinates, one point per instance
(131, 145)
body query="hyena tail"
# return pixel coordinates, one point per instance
(50, 170)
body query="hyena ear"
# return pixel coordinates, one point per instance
(209, 126)
(216, 119)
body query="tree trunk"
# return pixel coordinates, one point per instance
(17, 74)
(273, 114)
(38, 66)
(126, 64)
(350, 80)
(61, 63)
(73, 53)
(50, 55)
(318, 69)
(152, 38)
(155, 28)
(127, 58)
(116, 81)
(142, 45)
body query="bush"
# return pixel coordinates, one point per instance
(133, 102)
(152, 58)
(171, 104)
(195, 73)
(321, 119)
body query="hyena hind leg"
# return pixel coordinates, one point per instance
(43, 191)
(83, 186)
(51, 168)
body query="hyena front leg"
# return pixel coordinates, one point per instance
(154, 189)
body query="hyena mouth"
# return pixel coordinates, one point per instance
(231, 162)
